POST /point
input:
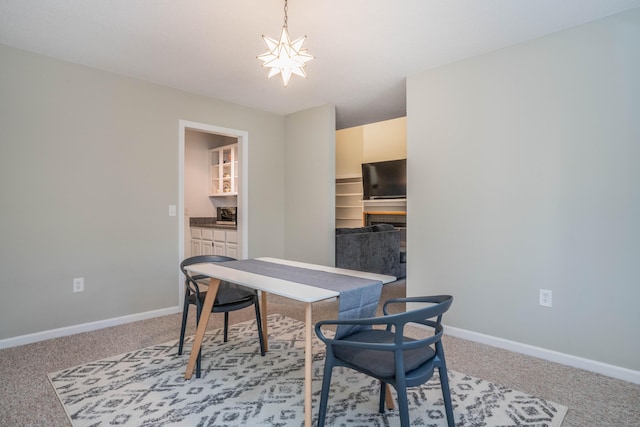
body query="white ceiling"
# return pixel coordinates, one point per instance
(364, 49)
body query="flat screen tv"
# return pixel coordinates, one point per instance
(384, 180)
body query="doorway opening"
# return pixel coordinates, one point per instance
(242, 138)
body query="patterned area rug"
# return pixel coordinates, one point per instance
(239, 387)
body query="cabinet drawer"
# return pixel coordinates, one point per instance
(232, 236)
(218, 235)
(207, 234)
(196, 233)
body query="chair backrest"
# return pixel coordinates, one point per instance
(190, 280)
(423, 315)
(201, 259)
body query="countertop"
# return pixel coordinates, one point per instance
(210, 222)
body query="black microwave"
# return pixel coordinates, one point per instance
(226, 215)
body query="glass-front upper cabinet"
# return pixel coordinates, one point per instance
(223, 173)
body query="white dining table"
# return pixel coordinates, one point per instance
(296, 291)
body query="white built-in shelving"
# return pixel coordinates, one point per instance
(223, 173)
(349, 202)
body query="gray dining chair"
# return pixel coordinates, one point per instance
(230, 297)
(388, 355)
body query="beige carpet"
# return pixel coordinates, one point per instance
(239, 387)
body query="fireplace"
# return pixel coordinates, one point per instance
(396, 218)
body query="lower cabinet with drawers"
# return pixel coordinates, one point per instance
(214, 241)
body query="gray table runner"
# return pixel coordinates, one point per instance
(359, 297)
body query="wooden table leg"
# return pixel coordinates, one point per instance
(388, 398)
(308, 365)
(263, 312)
(209, 299)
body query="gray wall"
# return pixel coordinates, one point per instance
(88, 168)
(523, 174)
(310, 185)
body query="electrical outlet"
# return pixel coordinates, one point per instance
(545, 298)
(78, 284)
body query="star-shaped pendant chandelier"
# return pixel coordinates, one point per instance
(285, 57)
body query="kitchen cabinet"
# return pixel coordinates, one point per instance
(231, 243)
(196, 247)
(223, 171)
(219, 240)
(214, 241)
(201, 241)
(196, 241)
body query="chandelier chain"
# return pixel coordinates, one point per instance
(285, 15)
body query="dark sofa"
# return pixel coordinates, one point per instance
(375, 249)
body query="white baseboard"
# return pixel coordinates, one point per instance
(539, 352)
(550, 355)
(85, 327)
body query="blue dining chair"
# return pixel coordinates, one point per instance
(388, 355)
(230, 297)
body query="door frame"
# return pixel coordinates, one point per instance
(243, 193)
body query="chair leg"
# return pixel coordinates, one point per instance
(199, 360)
(446, 395)
(324, 395)
(259, 324)
(403, 405)
(185, 312)
(226, 325)
(383, 393)
(198, 363)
